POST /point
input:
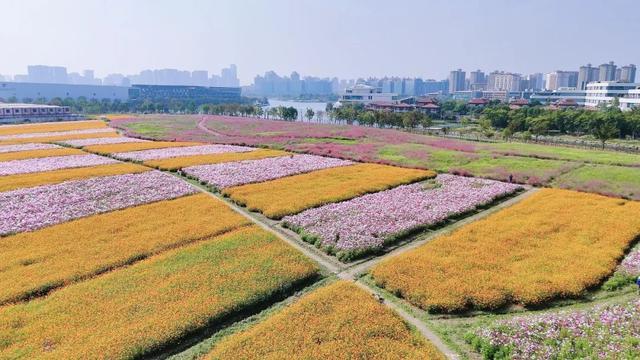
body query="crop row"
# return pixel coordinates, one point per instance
(55, 133)
(339, 321)
(27, 166)
(554, 244)
(37, 207)
(51, 127)
(292, 194)
(155, 154)
(35, 154)
(136, 146)
(156, 302)
(18, 181)
(26, 147)
(78, 249)
(603, 332)
(102, 141)
(209, 159)
(229, 174)
(372, 221)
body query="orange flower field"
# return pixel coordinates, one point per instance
(50, 127)
(338, 321)
(554, 244)
(136, 146)
(152, 304)
(32, 154)
(82, 248)
(292, 194)
(51, 138)
(186, 161)
(12, 182)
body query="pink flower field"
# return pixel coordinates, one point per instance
(371, 221)
(155, 154)
(34, 208)
(27, 147)
(27, 166)
(252, 171)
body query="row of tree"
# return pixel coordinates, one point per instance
(604, 123)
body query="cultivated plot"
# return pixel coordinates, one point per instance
(554, 244)
(368, 223)
(292, 194)
(157, 302)
(337, 321)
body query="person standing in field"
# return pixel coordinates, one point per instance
(638, 283)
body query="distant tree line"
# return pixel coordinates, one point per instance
(534, 121)
(379, 118)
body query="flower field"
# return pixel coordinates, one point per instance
(34, 154)
(550, 245)
(65, 136)
(154, 303)
(82, 248)
(51, 127)
(534, 164)
(69, 133)
(27, 166)
(12, 182)
(155, 154)
(26, 147)
(209, 159)
(292, 194)
(135, 146)
(603, 332)
(102, 141)
(336, 321)
(37, 207)
(371, 221)
(254, 171)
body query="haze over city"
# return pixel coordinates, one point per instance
(344, 39)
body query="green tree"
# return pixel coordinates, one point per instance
(539, 125)
(604, 127)
(309, 114)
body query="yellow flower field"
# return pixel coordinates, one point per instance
(32, 154)
(12, 182)
(53, 126)
(554, 244)
(59, 138)
(81, 248)
(293, 194)
(136, 310)
(135, 146)
(186, 161)
(339, 321)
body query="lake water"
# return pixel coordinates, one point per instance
(301, 106)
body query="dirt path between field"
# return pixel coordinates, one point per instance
(202, 126)
(352, 272)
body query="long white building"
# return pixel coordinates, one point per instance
(602, 93)
(365, 94)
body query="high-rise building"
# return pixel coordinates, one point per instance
(200, 78)
(607, 72)
(628, 73)
(457, 81)
(477, 80)
(535, 82)
(503, 81)
(587, 74)
(229, 76)
(47, 74)
(561, 79)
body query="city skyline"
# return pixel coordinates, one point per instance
(332, 38)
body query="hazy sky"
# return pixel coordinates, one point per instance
(344, 38)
